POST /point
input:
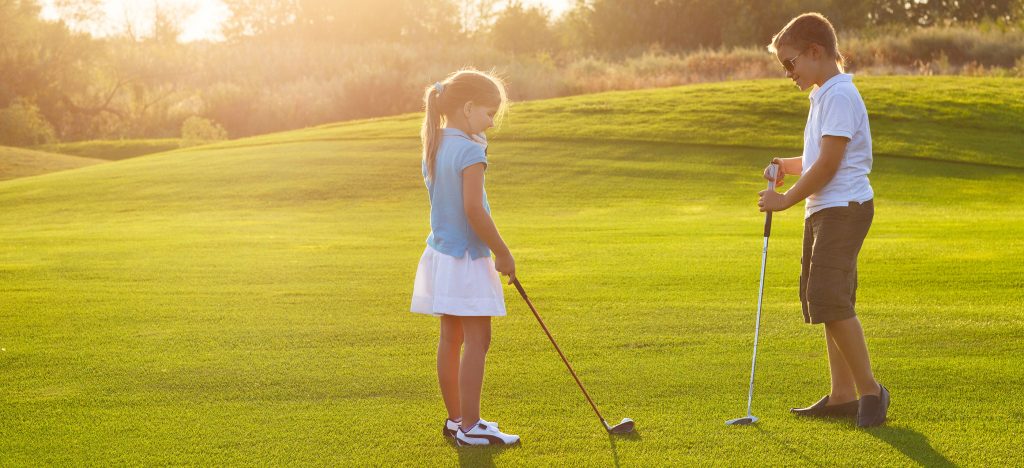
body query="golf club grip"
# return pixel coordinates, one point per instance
(771, 186)
(522, 292)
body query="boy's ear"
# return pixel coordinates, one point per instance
(817, 51)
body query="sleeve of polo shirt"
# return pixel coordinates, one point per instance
(839, 117)
(472, 155)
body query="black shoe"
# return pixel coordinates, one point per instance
(822, 409)
(873, 409)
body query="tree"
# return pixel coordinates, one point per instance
(756, 22)
(622, 24)
(522, 30)
(931, 12)
(21, 124)
(167, 22)
(197, 131)
(573, 28)
(342, 21)
(45, 64)
(259, 18)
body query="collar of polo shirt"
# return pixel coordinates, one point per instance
(840, 78)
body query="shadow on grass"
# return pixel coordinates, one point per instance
(484, 456)
(481, 456)
(911, 443)
(635, 436)
(796, 452)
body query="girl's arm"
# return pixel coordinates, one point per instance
(481, 222)
(818, 176)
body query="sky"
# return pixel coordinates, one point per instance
(204, 24)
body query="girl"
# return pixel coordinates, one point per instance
(833, 173)
(456, 278)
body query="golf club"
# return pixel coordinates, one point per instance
(773, 171)
(623, 427)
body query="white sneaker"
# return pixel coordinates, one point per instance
(482, 434)
(451, 427)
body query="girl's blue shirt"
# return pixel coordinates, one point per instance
(450, 232)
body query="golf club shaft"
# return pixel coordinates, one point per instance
(757, 327)
(522, 292)
(760, 295)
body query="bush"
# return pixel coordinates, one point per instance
(197, 130)
(657, 68)
(956, 45)
(21, 124)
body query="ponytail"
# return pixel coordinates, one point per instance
(443, 99)
(431, 131)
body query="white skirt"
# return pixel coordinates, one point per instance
(446, 285)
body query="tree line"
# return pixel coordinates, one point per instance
(293, 63)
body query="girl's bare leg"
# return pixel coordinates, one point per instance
(448, 349)
(477, 339)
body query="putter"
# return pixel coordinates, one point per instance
(750, 418)
(623, 427)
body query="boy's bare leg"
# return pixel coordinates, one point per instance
(844, 388)
(477, 336)
(448, 349)
(848, 337)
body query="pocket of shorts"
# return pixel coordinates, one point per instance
(828, 285)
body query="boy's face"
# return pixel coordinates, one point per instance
(799, 65)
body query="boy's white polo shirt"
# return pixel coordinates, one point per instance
(837, 109)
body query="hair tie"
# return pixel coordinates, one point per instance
(438, 87)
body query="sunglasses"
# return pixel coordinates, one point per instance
(790, 63)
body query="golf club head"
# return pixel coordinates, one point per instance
(623, 427)
(744, 421)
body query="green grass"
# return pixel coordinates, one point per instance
(247, 302)
(114, 150)
(910, 117)
(20, 162)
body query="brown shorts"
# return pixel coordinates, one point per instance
(828, 274)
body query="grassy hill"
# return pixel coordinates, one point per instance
(113, 150)
(247, 302)
(910, 117)
(19, 162)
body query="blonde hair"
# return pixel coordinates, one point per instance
(807, 29)
(441, 101)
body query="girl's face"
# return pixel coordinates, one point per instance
(479, 117)
(801, 65)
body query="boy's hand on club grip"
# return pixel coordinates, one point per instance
(779, 173)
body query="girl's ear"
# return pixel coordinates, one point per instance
(466, 108)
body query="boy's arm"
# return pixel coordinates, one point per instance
(818, 176)
(791, 166)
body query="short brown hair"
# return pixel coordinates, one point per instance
(807, 29)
